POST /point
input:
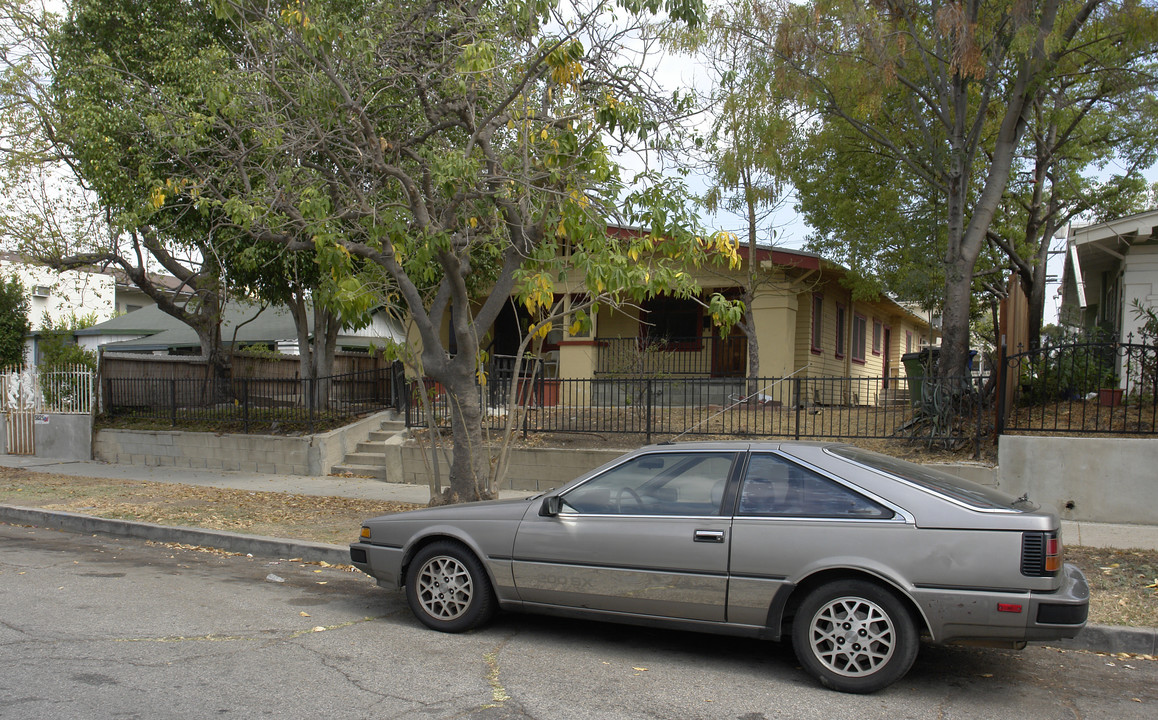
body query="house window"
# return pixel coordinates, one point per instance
(908, 341)
(859, 330)
(817, 309)
(675, 320)
(839, 330)
(877, 336)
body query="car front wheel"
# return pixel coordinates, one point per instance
(447, 588)
(854, 636)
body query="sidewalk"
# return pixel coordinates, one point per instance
(1073, 532)
(330, 485)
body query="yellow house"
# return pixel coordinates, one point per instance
(807, 326)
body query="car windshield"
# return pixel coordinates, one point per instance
(951, 486)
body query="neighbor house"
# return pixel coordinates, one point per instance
(64, 296)
(151, 331)
(1109, 267)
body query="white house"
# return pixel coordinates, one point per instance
(1110, 266)
(63, 295)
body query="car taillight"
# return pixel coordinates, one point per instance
(1041, 554)
(1053, 556)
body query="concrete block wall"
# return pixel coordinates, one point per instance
(273, 454)
(165, 448)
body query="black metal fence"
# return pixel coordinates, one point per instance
(1080, 388)
(666, 408)
(252, 403)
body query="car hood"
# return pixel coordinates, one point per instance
(485, 510)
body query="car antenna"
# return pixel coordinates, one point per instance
(741, 400)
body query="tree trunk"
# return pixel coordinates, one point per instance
(470, 463)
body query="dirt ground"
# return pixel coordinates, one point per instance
(1124, 583)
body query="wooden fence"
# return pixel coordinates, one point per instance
(243, 366)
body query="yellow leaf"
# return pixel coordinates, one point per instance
(543, 134)
(474, 222)
(639, 669)
(303, 613)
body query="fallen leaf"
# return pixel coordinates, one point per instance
(303, 613)
(640, 669)
(319, 628)
(986, 675)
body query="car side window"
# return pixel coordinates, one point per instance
(668, 483)
(776, 487)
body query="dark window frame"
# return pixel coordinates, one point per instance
(817, 322)
(858, 345)
(840, 323)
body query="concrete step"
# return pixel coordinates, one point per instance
(381, 435)
(371, 459)
(371, 446)
(370, 471)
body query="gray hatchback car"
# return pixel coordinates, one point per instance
(852, 554)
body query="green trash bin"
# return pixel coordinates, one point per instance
(917, 366)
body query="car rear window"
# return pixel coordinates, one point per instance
(942, 483)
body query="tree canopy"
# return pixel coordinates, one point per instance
(941, 96)
(462, 148)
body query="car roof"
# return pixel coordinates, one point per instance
(735, 445)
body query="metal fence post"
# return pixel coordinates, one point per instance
(648, 395)
(799, 402)
(311, 389)
(1002, 371)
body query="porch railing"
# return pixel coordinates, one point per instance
(709, 355)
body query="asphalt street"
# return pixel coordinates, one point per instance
(100, 627)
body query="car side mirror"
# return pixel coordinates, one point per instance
(551, 506)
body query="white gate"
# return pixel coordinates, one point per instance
(26, 393)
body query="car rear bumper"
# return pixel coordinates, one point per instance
(1060, 614)
(996, 617)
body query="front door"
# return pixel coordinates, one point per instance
(646, 537)
(729, 356)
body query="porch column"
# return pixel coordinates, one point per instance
(577, 363)
(775, 315)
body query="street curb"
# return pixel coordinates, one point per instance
(1112, 639)
(1097, 638)
(233, 542)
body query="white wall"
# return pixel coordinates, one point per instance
(69, 292)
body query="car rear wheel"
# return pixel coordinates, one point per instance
(854, 636)
(447, 588)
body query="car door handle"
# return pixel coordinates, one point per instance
(712, 536)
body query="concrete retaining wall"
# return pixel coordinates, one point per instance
(274, 454)
(1112, 480)
(1106, 480)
